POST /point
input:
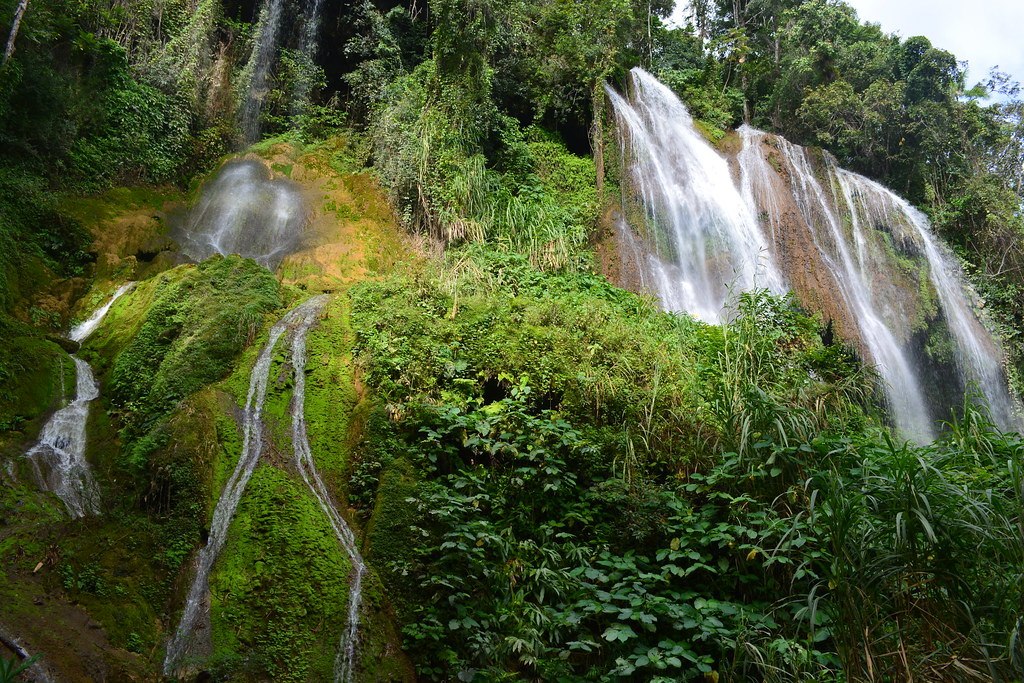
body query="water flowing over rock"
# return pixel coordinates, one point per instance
(58, 459)
(264, 51)
(81, 331)
(345, 662)
(705, 239)
(847, 246)
(195, 616)
(977, 353)
(197, 603)
(855, 270)
(244, 210)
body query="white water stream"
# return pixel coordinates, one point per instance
(197, 602)
(344, 665)
(264, 52)
(298, 322)
(853, 271)
(58, 458)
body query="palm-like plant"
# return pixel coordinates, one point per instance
(10, 669)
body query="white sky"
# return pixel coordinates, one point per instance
(985, 33)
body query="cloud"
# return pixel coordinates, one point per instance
(985, 33)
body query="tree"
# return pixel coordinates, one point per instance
(19, 12)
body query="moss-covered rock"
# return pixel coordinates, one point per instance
(279, 593)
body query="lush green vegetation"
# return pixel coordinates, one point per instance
(573, 486)
(551, 479)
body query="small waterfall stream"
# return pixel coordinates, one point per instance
(196, 604)
(298, 323)
(58, 458)
(344, 666)
(264, 50)
(707, 240)
(847, 243)
(308, 47)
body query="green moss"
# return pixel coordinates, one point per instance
(390, 546)
(31, 373)
(92, 211)
(279, 593)
(330, 392)
(193, 332)
(283, 169)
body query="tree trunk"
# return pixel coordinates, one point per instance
(18, 14)
(746, 100)
(597, 137)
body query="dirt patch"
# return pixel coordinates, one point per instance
(74, 647)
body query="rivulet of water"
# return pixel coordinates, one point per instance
(197, 602)
(344, 666)
(58, 458)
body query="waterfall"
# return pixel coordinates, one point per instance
(244, 210)
(854, 273)
(707, 241)
(252, 448)
(849, 247)
(58, 458)
(264, 50)
(308, 49)
(345, 662)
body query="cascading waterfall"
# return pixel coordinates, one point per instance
(344, 666)
(847, 244)
(245, 210)
(58, 459)
(261, 59)
(977, 353)
(707, 240)
(853, 274)
(196, 604)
